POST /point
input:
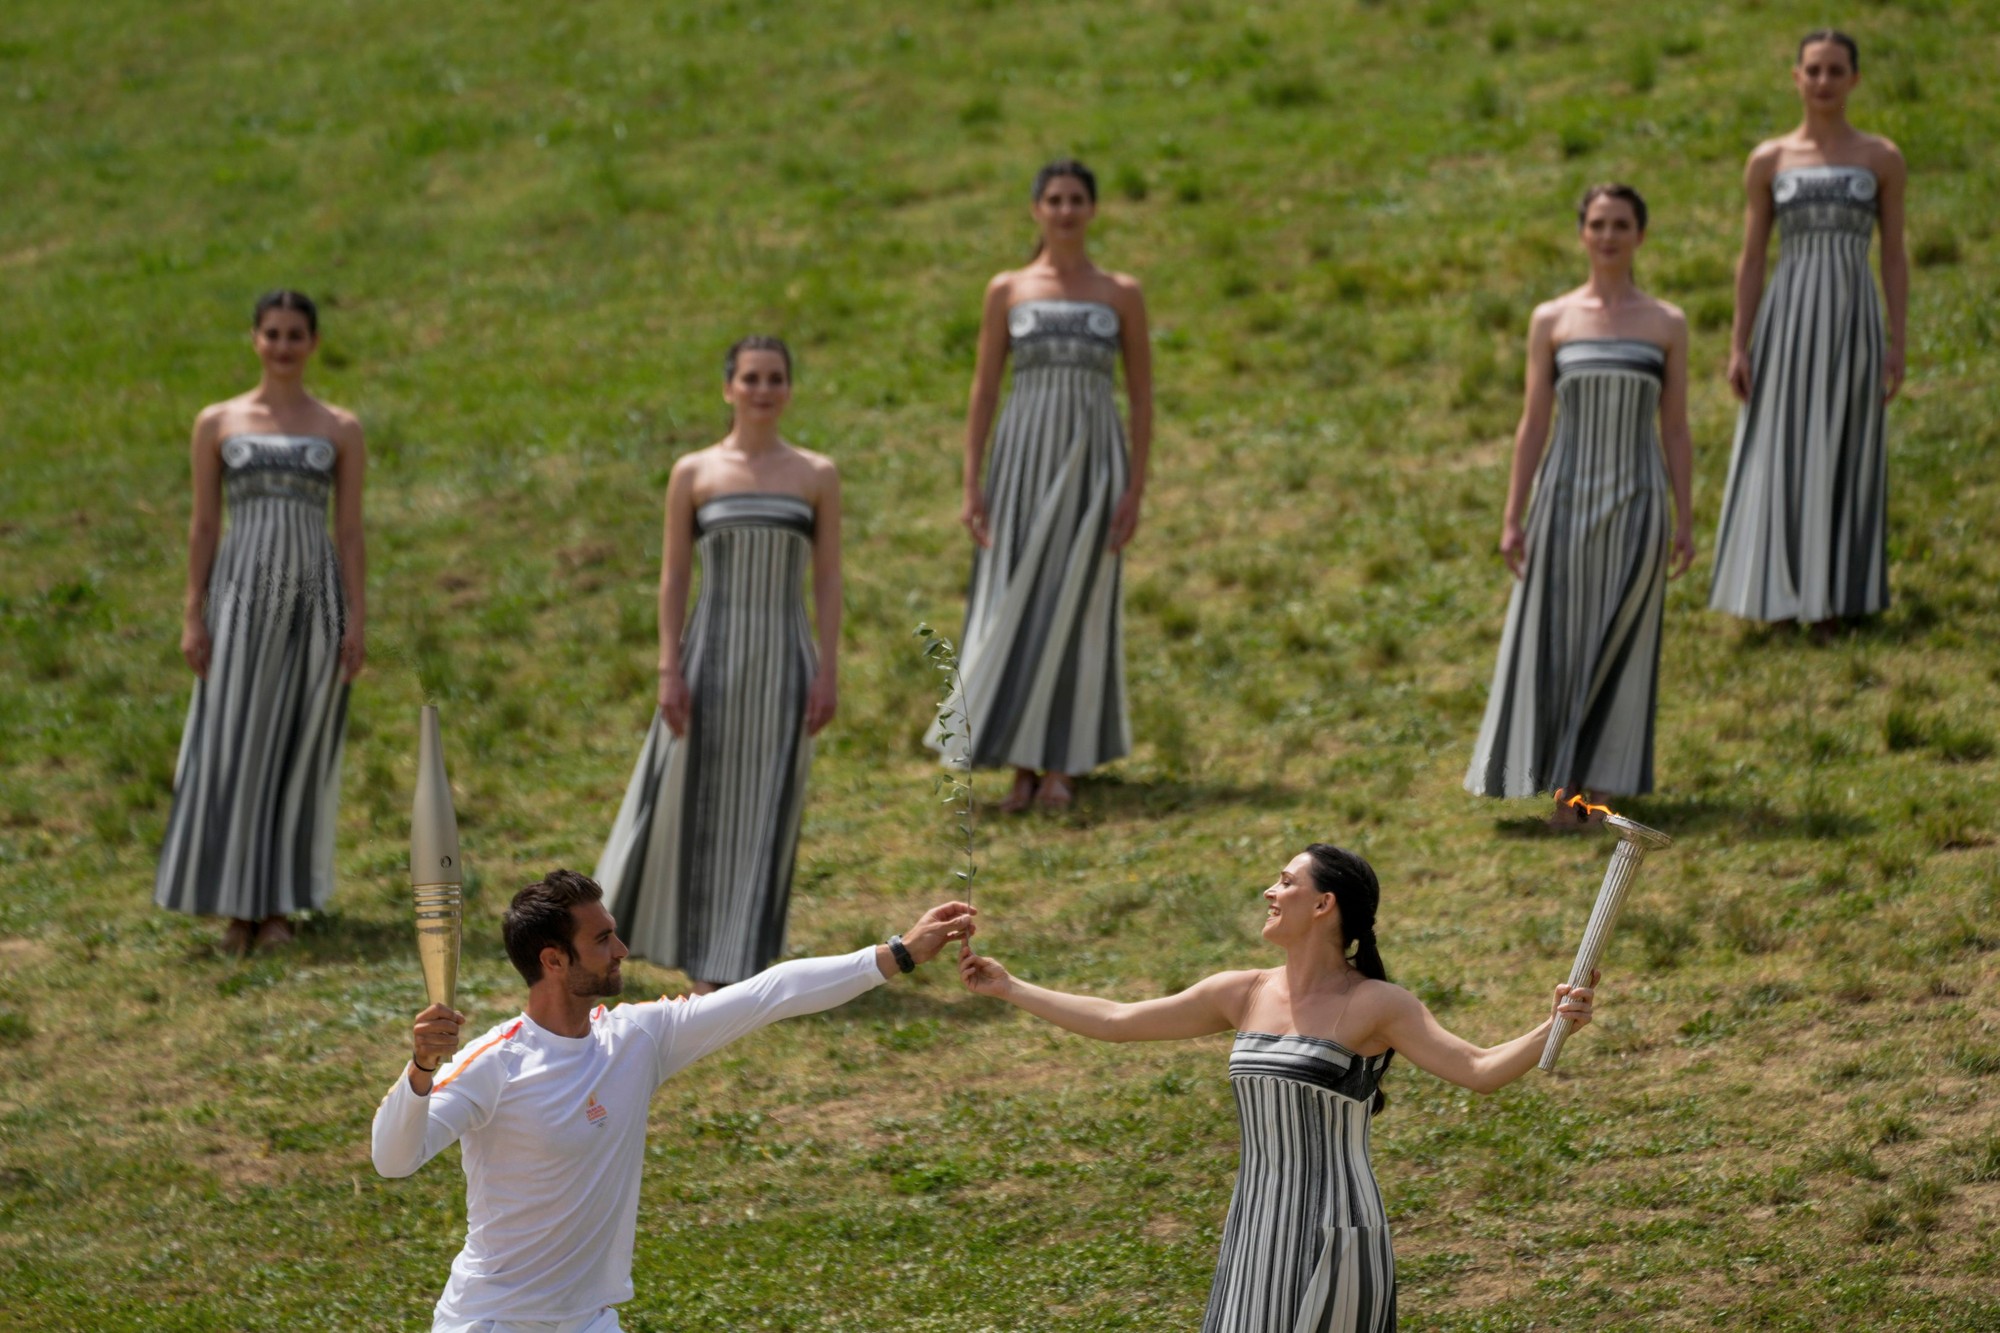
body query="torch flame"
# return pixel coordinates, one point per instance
(1583, 808)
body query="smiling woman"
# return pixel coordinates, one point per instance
(1306, 1243)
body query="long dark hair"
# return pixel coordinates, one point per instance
(1062, 166)
(1354, 887)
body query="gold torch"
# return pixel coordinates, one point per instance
(434, 867)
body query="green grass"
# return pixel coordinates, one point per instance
(534, 230)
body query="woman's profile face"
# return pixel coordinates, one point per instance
(1064, 209)
(1294, 906)
(1610, 230)
(1824, 76)
(760, 386)
(284, 341)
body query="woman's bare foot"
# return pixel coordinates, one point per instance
(236, 937)
(1021, 794)
(1056, 792)
(274, 933)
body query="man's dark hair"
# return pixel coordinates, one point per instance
(539, 918)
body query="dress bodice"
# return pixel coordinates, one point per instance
(1823, 201)
(1315, 1064)
(1057, 333)
(1628, 370)
(271, 466)
(755, 547)
(1608, 406)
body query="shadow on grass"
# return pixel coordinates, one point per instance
(1910, 619)
(1750, 818)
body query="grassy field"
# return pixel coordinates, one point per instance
(534, 229)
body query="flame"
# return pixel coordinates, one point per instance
(1582, 807)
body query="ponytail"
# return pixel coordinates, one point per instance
(1358, 893)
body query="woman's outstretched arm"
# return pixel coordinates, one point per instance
(1214, 1004)
(1405, 1023)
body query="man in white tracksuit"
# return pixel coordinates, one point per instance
(551, 1104)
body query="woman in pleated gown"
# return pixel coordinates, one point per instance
(1306, 1243)
(272, 629)
(698, 867)
(1042, 658)
(1805, 517)
(1576, 684)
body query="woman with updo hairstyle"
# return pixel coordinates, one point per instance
(698, 868)
(1804, 529)
(1306, 1242)
(272, 629)
(1577, 681)
(1042, 658)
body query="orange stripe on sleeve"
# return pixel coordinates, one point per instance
(466, 1063)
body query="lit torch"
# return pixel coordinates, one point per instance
(434, 868)
(1634, 841)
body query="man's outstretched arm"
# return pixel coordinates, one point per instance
(699, 1024)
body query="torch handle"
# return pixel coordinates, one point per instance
(439, 909)
(1625, 861)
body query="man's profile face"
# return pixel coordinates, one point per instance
(598, 951)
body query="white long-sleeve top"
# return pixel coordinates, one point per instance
(555, 1134)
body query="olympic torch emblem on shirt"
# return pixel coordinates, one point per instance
(593, 1110)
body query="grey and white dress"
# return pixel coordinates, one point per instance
(698, 868)
(1043, 654)
(1577, 681)
(1306, 1246)
(257, 784)
(1804, 530)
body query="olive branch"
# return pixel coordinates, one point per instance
(954, 785)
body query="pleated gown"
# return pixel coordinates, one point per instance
(1804, 530)
(698, 868)
(257, 783)
(1042, 657)
(1577, 682)
(1306, 1246)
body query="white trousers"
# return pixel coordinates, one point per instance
(604, 1321)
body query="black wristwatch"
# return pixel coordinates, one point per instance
(901, 952)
